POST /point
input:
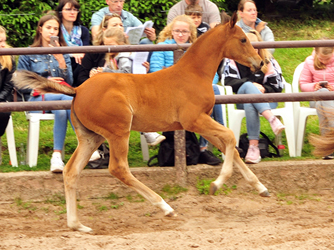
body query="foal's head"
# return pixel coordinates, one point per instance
(238, 46)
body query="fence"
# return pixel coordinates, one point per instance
(180, 157)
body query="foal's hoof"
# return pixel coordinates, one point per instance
(265, 194)
(213, 188)
(171, 214)
(84, 229)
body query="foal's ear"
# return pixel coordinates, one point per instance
(234, 19)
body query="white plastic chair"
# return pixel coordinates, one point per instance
(33, 135)
(11, 142)
(235, 117)
(301, 113)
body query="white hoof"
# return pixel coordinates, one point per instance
(84, 229)
(81, 228)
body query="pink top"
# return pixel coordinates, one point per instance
(309, 76)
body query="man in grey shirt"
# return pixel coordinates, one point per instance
(211, 13)
(128, 19)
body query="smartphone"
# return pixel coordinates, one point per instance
(53, 40)
(323, 83)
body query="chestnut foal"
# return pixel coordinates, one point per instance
(109, 105)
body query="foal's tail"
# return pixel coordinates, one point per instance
(323, 144)
(27, 79)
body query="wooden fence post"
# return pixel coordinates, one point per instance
(180, 143)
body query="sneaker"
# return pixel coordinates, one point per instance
(57, 164)
(276, 125)
(207, 157)
(328, 157)
(96, 155)
(253, 154)
(153, 138)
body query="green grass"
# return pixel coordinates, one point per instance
(288, 58)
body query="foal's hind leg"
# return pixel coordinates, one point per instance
(223, 138)
(88, 141)
(118, 167)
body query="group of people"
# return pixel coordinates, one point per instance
(187, 20)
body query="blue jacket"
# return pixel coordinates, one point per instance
(45, 65)
(162, 59)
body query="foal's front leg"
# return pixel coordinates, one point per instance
(224, 139)
(118, 167)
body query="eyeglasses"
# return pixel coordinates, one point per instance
(71, 10)
(116, 2)
(181, 32)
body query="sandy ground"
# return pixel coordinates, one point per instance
(236, 219)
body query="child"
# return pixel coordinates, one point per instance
(94, 63)
(195, 11)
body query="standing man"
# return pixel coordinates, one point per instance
(211, 13)
(128, 19)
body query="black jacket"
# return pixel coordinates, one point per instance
(6, 84)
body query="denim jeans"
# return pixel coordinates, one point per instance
(217, 114)
(61, 117)
(252, 110)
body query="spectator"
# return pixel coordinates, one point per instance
(210, 11)
(243, 81)
(318, 76)
(94, 63)
(56, 67)
(181, 30)
(128, 19)
(195, 11)
(68, 12)
(7, 68)
(249, 21)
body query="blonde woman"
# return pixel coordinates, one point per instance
(7, 68)
(181, 30)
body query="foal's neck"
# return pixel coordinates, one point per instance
(204, 56)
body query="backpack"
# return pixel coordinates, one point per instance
(103, 161)
(264, 144)
(166, 151)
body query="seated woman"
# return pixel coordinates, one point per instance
(93, 64)
(56, 67)
(249, 21)
(317, 75)
(243, 81)
(181, 30)
(68, 12)
(7, 68)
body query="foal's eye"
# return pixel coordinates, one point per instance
(243, 40)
